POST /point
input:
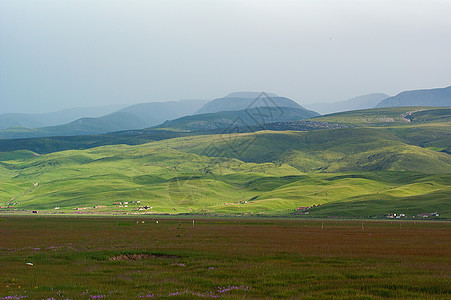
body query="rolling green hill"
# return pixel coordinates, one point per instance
(167, 177)
(336, 150)
(358, 171)
(59, 143)
(389, 116)
(171, 181)
(432, 132)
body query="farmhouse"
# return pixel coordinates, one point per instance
(302, 208)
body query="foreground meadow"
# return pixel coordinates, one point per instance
(93, 258)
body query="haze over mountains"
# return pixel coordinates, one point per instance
(360, 102)
(54, 118)
(438, 97)
(201, 114)
(132, 117)
(243, 153)
(241, 109)
(429, 97)
(245, 100)
(146, 115)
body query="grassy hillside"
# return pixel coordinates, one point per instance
(347, 172)
(420, 126)
(431, 130)
(338, 150)
(172, 181)
(389, 116)
(60, 143)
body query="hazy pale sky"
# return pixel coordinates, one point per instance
(56, 54)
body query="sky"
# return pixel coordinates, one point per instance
(57, 54)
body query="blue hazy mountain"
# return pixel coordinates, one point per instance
(246, 100)
(132, 117)
(429, 97)
(361, 102)
(54, 118)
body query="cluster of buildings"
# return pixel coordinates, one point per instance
(10, 204)
(126, 203)
(421, 215)
(427, 215)
(395, 216)
(302, 210)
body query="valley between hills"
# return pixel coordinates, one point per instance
(374, 163)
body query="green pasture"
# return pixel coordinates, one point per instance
(232, 258)
(356, 172)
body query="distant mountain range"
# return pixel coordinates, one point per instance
(131, 117)
(240, 110)
(236, 109)
(429, 97)
(54, 118)
(360, 102)
(250, 107)
(252, 95)
(246, 100)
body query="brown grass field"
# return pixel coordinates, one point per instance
(130, 258)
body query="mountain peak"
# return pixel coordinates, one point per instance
(235, 103)
(252, 95)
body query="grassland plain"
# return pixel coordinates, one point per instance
(113, 258)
